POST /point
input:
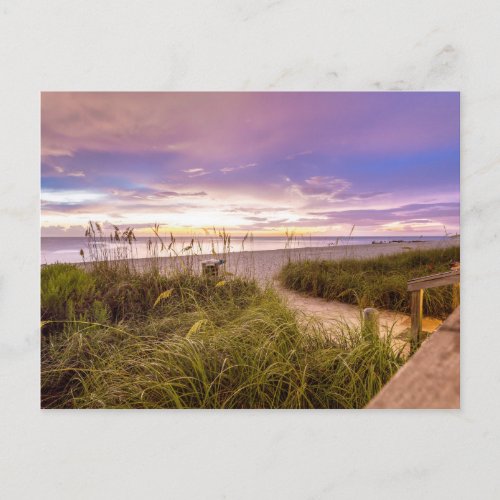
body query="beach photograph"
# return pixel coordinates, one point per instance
(250, 250)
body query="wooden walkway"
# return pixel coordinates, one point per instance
(431, 378)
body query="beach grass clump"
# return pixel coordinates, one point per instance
(376, 282)
(67, 293)
(188, 341)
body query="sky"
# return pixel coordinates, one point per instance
(317, 163)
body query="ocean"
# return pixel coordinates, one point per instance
(67, 249)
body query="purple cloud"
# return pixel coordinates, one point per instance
(311, 159)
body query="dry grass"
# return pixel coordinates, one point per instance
(376, 282)
(117, 337)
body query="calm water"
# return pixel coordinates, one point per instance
(68, 249)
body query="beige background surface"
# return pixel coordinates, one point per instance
(249, 45)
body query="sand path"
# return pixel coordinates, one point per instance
(265, 265)
(331, 312)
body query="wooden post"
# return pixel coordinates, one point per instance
(416, 288)
(370, 320)
(417, 307)
(455, 302)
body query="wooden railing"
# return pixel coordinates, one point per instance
(431, 377)
(416, 288)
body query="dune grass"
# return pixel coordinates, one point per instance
(376, 282)
(113, 337)
(121, 334)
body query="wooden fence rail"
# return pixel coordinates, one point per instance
(431, 377)
(416, 288)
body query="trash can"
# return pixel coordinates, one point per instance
(211, 267)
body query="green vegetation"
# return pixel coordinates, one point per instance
(113, 337)
(377, 282)
(118, 335)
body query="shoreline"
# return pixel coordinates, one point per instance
(263, 265)
(49, 256)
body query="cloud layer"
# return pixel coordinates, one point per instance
(319, 162)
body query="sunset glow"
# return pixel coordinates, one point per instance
(314, 162)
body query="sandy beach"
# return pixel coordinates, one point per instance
(264, 265)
